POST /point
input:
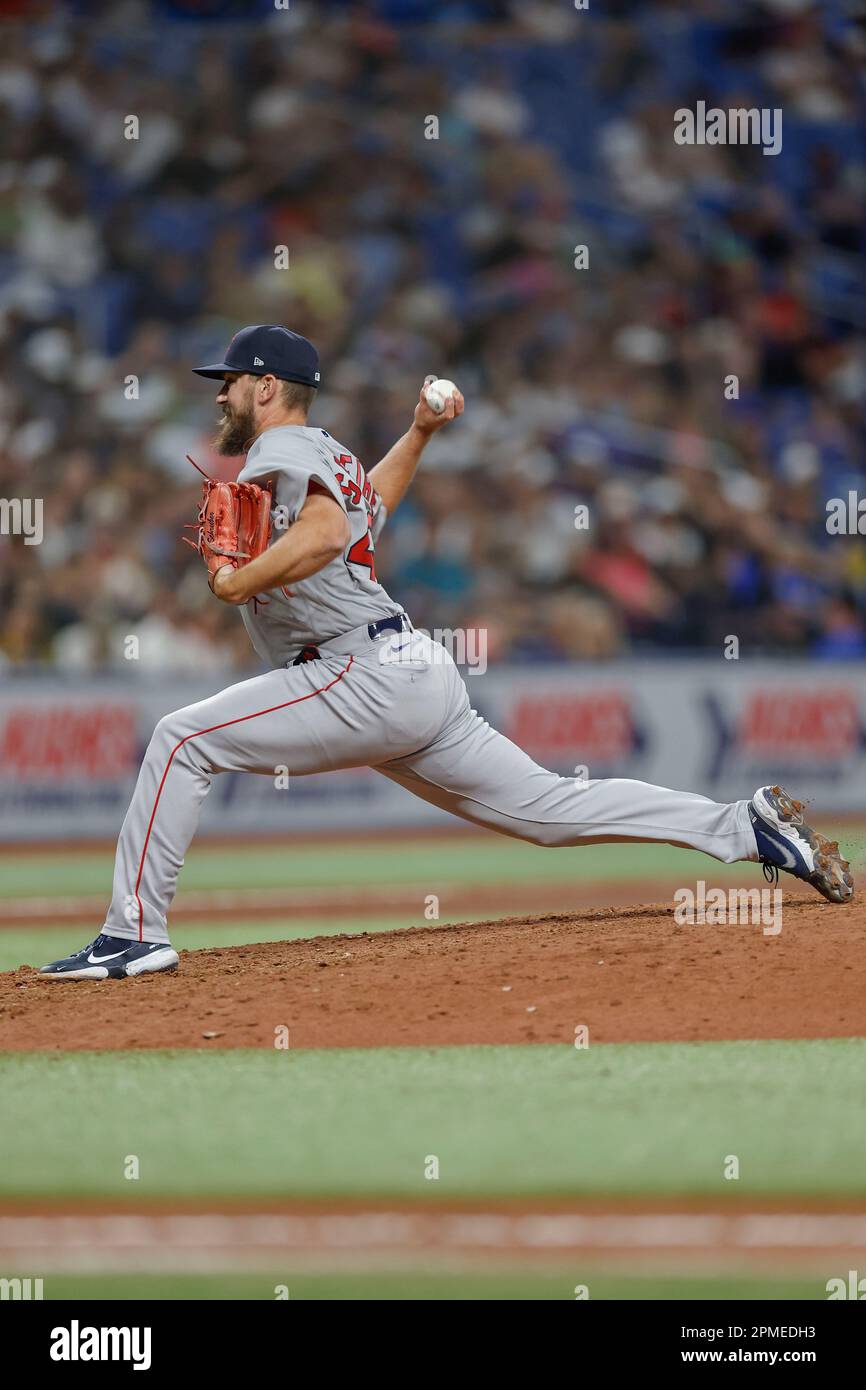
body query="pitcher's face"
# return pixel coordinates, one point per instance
(236, 399)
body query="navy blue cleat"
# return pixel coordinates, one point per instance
(113, 958)
(786, 842)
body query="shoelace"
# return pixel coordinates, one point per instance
(771, 871)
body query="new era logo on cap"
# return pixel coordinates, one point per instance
(289, 356)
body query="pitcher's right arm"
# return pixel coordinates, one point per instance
(393, 474)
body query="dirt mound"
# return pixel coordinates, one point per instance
(627, 975)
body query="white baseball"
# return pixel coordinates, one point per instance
(438, 392)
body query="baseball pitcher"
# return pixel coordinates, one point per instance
(292, 543)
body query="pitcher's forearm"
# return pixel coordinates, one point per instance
(319, 535)
(393, 474)
(271, 571)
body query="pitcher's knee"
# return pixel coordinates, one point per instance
(174, 745)
(547, 836)
(169, 733)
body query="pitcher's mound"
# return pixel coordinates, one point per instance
(624, 975)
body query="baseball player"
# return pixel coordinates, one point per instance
(351, 684)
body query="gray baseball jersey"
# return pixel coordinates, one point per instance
(346, 593)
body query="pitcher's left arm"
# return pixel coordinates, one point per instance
(319, 535)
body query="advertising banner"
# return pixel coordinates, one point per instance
(70, 751)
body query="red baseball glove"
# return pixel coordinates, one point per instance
(234, 524)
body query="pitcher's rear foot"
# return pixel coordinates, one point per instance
(786, 842)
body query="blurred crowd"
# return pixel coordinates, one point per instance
(653, 428)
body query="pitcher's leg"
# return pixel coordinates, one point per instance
(477, 773)
(285, 718)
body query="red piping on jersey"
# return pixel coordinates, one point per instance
(199, 734)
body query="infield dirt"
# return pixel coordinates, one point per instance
(625, 975)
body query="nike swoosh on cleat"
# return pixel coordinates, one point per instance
(99, 960)
(791, 861)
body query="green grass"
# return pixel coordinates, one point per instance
(467, 859)
(431, 864)
(473, 860)
(526, 1121)
(38, 945)
(528, 1282)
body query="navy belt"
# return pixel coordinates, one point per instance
(398, 622)
(395, 624)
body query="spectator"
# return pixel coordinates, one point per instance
(604, 393)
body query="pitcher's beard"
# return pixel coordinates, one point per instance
(233, 432)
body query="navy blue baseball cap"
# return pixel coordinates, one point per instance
(268, 349)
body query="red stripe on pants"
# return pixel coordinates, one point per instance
(199, 734)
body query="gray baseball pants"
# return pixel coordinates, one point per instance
(398, 705)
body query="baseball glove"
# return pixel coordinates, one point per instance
(233, 525)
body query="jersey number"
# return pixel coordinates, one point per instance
(362, 552)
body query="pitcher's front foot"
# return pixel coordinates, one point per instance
(113, 958)
(786, 842)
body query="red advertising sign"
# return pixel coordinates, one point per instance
(65, 742)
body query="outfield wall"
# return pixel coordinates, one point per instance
(70, 749)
